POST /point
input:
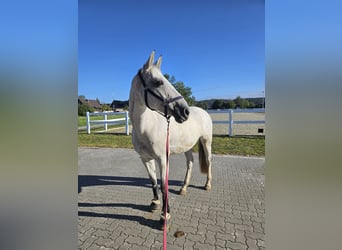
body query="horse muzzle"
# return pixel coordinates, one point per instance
(181, 113)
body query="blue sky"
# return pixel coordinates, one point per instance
(215, 47)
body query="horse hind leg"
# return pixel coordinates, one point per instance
(189, 164)
(205, 158)
(151, 170)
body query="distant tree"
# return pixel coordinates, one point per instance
(105, 107)
(202, 105)
(230, 104)
(241, 103)
(218, 104)
(237, 101)
(185, 91)
(244, 104)
(83, 109)
(259, 105)
(251, 105)
(171, 79)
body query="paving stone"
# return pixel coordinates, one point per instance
(201, 246)
(233, 220)
(179, 242)
(149, 240)
(215, 228)
(236, 245)
(134, 240)
(101, 233)
(244, 228)
(220, 243)
(157, 245)
(252, 244)
(93, 247)
(105, 248)
(139, 247)
(88, 242)
(188, 244)
(260, 243)
(101, 241)
(225, 236)
(254, 235)
(87, 234)
(195, 237)
(240, 237)
(115, 194)
(121, 240)
(125, 246)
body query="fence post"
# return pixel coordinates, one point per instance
(127, 123)
(231, 122)
(88, 122)
(105, 123)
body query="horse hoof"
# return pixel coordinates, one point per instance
(162, 221)
(155, 205)
(182, 191)
(207, 187)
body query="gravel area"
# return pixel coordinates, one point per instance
(239, 129)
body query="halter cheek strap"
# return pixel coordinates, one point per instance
(165, 101)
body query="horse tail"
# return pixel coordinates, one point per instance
(203, 157)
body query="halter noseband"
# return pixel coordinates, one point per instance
(165, 101)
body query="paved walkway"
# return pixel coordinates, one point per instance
(115, 193)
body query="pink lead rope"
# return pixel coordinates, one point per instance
(166, 182)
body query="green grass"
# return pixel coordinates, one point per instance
(104, 140)
(82, 121)
(245, 146)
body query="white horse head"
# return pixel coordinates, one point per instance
(159, 94)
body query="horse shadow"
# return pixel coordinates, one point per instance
(100, 180)
(135, 218)
(154, 224)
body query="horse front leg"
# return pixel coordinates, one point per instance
(189, 164)
(151, 170)
(166, 206)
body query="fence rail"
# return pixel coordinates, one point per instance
(107, 121)
(230, 121)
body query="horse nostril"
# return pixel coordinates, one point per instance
(186, 112)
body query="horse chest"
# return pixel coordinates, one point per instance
(147, 144)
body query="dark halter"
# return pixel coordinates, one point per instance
(165, 101)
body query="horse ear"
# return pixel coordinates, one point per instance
(150, 61)
(159, 61)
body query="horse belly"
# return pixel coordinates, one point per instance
(180, 148)
(182, 142)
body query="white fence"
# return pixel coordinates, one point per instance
(230, 121)
(107, 121)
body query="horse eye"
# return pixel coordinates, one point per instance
(158, 83)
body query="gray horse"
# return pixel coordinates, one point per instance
(152, 101)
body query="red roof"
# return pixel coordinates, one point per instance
(92, 103)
